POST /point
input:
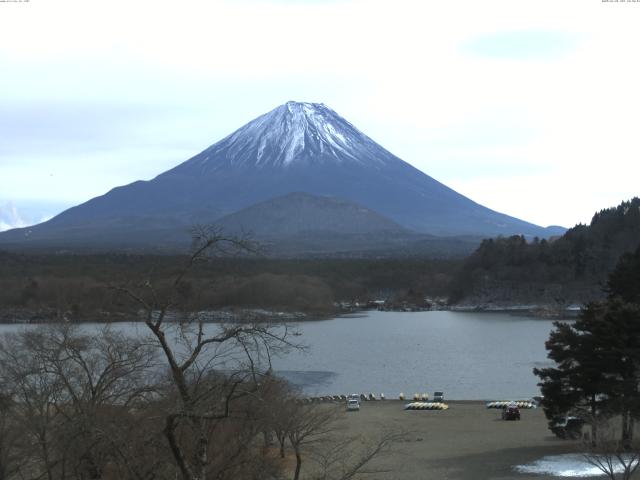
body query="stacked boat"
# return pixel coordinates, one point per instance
(505, 403)
(426, 406)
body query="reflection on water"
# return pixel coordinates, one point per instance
(467, 355)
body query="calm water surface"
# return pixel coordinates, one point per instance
(467, 355)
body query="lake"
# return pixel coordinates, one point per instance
(468, 355)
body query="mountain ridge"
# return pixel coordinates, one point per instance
(304, 147)
(290, 213)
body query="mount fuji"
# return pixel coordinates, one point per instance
(297, 147)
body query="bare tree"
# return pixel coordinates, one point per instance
(189, 400)
(34, 394)
(193, 348)
(309, 424)
(313, 431)
(72, 393)
(11, 460)
(277, 402)
(616, 457)
(349, 457)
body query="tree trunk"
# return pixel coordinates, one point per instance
(594, 422)
(3, 473)
(282, 447)
(626, 437)
(203, 444)
(90, 467)
(45, 455)
(169, 431)
(296, 475)
(202, 457)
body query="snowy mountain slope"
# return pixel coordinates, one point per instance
(293, 133)
(297, 147)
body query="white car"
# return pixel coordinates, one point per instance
(353, 405)
(438, 397)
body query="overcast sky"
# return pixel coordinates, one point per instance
(528, 107)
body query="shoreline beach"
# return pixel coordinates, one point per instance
(465, 442)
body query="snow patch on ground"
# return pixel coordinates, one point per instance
(570, 465)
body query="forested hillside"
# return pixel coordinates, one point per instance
(569, 269)
(47, 287)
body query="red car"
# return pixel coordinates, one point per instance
(511, 412)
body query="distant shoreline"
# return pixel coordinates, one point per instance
(44, 315)
(235, 315)
(541, 311)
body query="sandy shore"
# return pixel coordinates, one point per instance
(466, 442)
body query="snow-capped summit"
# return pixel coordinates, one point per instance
(293, 133)
(297, 147)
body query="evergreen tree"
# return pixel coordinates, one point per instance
(577, 385)
(569, 268)
(624, 281)
(598, 357)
